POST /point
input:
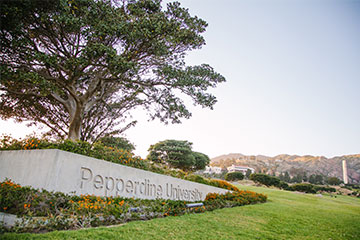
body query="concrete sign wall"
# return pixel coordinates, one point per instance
(56, 170)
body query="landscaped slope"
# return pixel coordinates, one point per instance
(287, 215)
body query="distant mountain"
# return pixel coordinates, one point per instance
(294, 164)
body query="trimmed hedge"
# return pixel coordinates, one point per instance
(234, 176)
(265, 179)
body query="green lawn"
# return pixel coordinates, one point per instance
(287, 215)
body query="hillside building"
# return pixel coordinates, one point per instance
(242, 169)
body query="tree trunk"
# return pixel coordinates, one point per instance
(75, 124)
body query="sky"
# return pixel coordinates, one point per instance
(292, 70)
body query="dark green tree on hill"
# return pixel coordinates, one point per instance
(178, 154)
(248, 173)
(287, 177)
(333, 181)
(80, 66)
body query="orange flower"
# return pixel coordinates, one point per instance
(5, 208)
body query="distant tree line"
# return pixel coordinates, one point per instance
(313, 178)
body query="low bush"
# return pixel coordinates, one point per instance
(46, 211)
(223, 184)
(197, 178)
(265, 179)
(303, 187)
(310, 188)
(284, 185)
(232, 199)
(324, 189)
(234, 176)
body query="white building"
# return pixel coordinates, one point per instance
(213, 170)
(242, 169)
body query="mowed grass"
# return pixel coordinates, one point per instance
(287, 215)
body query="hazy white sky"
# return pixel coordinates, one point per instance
(293, 80)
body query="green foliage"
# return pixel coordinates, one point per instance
(79, 67)
(303, 187)
(298, 178)
(324, 189)
(197, 178)
(316, 179)
(234, 176)
(333, 181)
(310, 188)
(96, 150)
(248, 173)
(117, 142)
(177, 154)
(287, 177)
(201, 160)
(265, 179)
(284, 185)
(231, 199)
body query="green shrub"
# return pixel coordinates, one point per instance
(303, 187)
(324, 189)
(117, 142)
(197, 178)
(284, 185)
(333, 181)
(265, 179)
(234, 176)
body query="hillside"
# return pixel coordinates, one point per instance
(294, 164)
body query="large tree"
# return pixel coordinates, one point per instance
(80, 66)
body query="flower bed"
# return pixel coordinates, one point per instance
(46, 211)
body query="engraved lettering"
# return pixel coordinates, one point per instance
(129, 186)
(159, 191)
(142, 187)
(119, 182)
(107, 185)
(86, 174)
(135, 188)
(98, 182)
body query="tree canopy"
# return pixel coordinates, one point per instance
(178, 154)
(80, 66)
(117, 142)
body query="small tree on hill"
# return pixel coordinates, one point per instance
(178, 154)
(248, 173)
(333, 181)
(287, 177)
